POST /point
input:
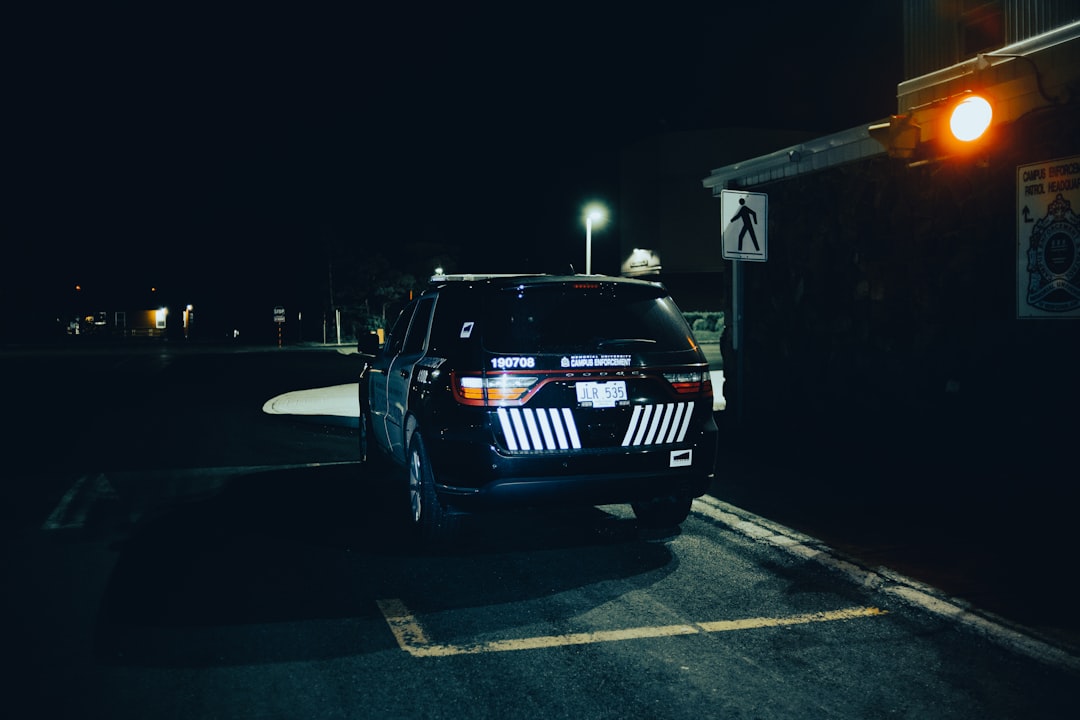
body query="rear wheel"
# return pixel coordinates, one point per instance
(430, 520)
(663, 512)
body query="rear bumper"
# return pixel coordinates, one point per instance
(473, 475)
(575, 489)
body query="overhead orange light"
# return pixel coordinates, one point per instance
(970, 118)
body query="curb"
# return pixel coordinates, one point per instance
(909, 591)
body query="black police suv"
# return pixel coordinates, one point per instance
(495, 391)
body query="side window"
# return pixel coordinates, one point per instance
(397, 333)
(414, 341)
(454, 321)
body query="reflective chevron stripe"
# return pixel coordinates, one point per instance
(529, 429)
(543, 429)
(658, 424)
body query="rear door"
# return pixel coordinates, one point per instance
(400, 372)
(378, 375)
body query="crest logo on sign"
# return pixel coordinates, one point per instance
(1053, 257)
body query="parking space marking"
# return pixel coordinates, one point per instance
(411, 638)
(89, 493)
(886, 581)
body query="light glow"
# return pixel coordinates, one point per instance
(970, 118)
(595, 214)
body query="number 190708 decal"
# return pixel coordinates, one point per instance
(509, 363)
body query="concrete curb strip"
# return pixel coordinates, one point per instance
(886, 581)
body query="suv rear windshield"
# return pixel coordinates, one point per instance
(568, 318)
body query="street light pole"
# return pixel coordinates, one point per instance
(593, 213)
(588, 244)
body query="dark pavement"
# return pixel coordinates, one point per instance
(985, 517)
(978, 505)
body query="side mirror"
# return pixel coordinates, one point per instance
(368, 345)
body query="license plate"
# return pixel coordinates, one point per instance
(601, 394)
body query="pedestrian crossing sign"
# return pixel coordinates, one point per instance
(744, 223)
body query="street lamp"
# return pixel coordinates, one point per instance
(594, 213)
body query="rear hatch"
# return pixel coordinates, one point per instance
(587, 366)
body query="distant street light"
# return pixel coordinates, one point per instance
(594, 213)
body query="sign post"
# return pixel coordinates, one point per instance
(744, 224)
(279, 320)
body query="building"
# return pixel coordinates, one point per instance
(913, 285)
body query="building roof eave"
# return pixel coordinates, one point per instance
(806, 157)
(856, 143)
(1025, 48)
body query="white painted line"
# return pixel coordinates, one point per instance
(75, 506)
(58, 518)
(411, 638)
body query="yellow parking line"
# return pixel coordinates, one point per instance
(410, 635)
(831, 616)
(402, 623)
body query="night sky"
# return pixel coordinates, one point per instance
(223, 153)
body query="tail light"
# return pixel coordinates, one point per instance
(691, 383)
(505, 389)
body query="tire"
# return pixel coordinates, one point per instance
(662, 512)
(431, 522)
